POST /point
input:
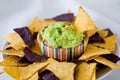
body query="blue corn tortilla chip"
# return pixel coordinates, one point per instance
(64, 17)
(111, 57)
(23, 60)
(48, 75)
(26, 35)
(96, 38)
(33, 57)
(35, 35)
(110, 33)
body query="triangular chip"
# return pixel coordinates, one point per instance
(83, 22)
(92, 32)
(107, 63)
(11, 61)
(15, 41)
(103, 33)
(28, 71)
(85, 71)
(38, 24)
(13, 72)
(63, 70)
(94, 75)
(110, 43)
(36, 48)
(12, 52)
(92, 51)
(34, 77)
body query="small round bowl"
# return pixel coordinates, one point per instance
(62, 54)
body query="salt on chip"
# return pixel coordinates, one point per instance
(92, 51)
(15, 41)
(34, 77)
(63, 70)
(13, 72)
(12, 52)
(85, 71)
(38, 25)
(107, 63)
(83, 22)
(110, 43)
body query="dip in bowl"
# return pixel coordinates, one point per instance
(62, 42)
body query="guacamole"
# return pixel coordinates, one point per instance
(62, 35)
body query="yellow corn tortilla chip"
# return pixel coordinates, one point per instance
(107, 63)
(83, 22)
(38, 24)
(15, 41)
(36, 48)
(85, 71)
(28, 71)
(63, 70)
(92, 51)
(110, 43)
(13, 72)
(94, 75)
(103, 33)
(34, 77)
(24, 73)
(12, 61)
(13, 52)
(92, 32)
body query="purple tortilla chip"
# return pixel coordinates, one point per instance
(96, 38)
(23, 59)
(26, 35)
(111, 57)
(33, 57)
(110, 33)
(64, 17)
(35, 35)
(48, 75)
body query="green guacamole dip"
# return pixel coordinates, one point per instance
(62, 35)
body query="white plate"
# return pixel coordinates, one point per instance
(24, 12)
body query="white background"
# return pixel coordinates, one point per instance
(19, 13)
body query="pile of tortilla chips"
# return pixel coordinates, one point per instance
(24, 61)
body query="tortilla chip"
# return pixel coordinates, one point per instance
(92, 32)
(26, 35)
(33, 57)
(110, 43)
(64, 17)
(83, 21)
(92, 51)
(13, 72)
(48, 75)
(34, 77)
(107, 63)
(96, 38)
(15, 41)
(63, 70)
(103, 33)
(94, 75)
(110, 33)
(37, 25)
(28, 71)
(13, 52)
(11, 61)
(36, 48)
(85, 71)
